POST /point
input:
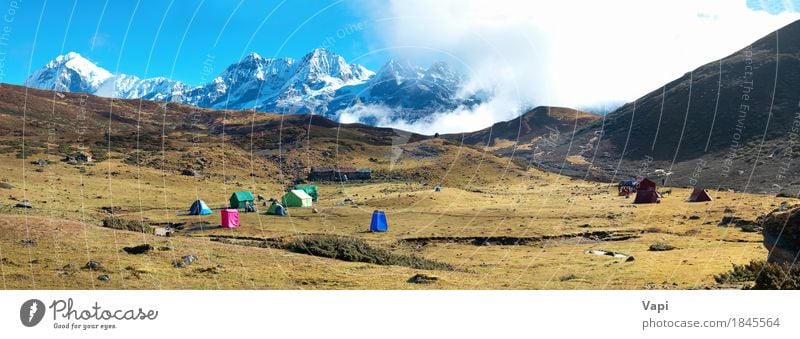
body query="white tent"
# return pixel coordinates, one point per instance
(297, 198)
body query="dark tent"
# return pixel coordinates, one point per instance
(378, 223)
(276, 209)
(699, 195)
(199, 207)
(239, 200)
(646, 192)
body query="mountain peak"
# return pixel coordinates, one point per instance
(252, 55)
(69, 56)
(74, 60)
(69, 72)
(320, 51)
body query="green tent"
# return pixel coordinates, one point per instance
(296, 198)
(276, 209)
(309, 189)
(239, 199)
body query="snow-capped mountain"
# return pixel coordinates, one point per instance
(281, 85)
(73, 73)
(70, 73)
(321, 82)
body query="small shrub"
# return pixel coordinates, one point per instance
(99, 154)
(740, 273)
(28, 152)
(764, 275)
(568, 277)
(6, 185)
(356, 250)
(127, 225)
(522, 163)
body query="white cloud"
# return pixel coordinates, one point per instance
(567, 53)
(99, 40)
(455, 121)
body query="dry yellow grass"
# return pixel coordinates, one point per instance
(482, 197)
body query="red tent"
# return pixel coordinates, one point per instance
(230, 218)
(646, 192)
(699, 195)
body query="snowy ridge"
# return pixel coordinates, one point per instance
(321, 82)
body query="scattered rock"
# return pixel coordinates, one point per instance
(694, 217)
(41, 162)
(661, 247)
(422, 278)
(140, 249)
(568, 277)
(104, 277)
(314, 210)
(6, 261)
(6, 185)
(630, 259)
(185, 260)
(83, 157)
(189, 172)
(24, 204)
(92, 265)
(212, 270)
(28, 242)
(751, 228)
(69, 267)
(732, 220)
(585, 226)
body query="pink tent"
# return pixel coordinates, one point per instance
(230, 218)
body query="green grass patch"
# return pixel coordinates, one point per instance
(127, 225)
(356, 250)
(764, 276)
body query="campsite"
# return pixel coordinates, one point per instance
(453, 215)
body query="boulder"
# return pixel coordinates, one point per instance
(189, 172)
(185, 261)
(24, 204)
(92, 265)
(660, 246)
(781, 231)
(422, 278)
(140, 249)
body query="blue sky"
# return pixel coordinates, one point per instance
(176, 37)
(573, 53)
(151, 38)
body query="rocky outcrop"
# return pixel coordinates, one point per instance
(782, 235)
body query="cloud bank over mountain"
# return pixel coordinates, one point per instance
(564, 53)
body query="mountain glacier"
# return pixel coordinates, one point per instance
(321, 82)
